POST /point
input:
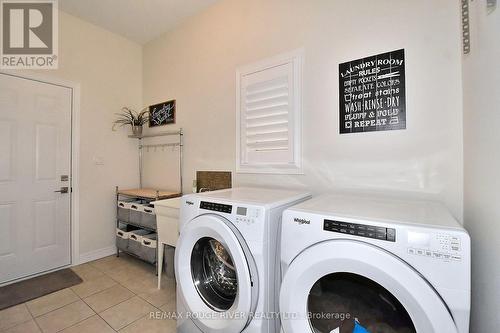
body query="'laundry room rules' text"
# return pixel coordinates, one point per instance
(372, 93)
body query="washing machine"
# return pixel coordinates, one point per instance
(370, 264)
(227, 260)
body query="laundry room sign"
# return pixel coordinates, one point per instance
(162, 114)
(372, 93)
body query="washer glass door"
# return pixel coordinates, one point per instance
(214, 274)
(342, 300)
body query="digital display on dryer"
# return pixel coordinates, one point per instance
(241, 211)
(362, 230)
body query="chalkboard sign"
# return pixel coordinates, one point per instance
(162, 114)
(372, 93)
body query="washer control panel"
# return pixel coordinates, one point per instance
(246, 215)
(242, 214)
(362, 230)
(217, 207)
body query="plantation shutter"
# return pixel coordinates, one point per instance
(269, 118)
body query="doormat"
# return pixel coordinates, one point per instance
(26, 290)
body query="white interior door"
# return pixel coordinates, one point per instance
(35, 151)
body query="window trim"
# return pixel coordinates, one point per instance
(296, 58)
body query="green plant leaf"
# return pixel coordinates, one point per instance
(131, 117)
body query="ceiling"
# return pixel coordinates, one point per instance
(137, 20)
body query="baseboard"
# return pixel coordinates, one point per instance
(96, 254)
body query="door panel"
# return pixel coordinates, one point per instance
(7, 229)
(46, 103)
(35, 145)
(45, 224)
(6, 143)
(396, 284)
(46, 152)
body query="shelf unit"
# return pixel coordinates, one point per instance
(147, 195)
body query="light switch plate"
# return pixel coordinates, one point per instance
(491, 5)
(98, 160)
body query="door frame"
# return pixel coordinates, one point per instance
(75, 157)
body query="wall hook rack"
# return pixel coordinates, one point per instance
(142, 146)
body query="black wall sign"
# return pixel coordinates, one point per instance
(372, 93)
(162, 114)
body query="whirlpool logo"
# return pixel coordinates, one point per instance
(301, 221)
(189, 203)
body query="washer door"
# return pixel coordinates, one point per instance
(216, 275)
(339, 284)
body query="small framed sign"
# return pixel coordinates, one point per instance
(162, 114)
(372, 93)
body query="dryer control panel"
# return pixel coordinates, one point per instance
(441, 246)
(362, 230)
(217, 207)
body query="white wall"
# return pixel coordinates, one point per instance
(481, 80)
(196, 64)
(109, 70)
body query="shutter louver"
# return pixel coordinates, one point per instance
(268, 118)
(266, 115)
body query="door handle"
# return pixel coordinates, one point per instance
(63, 190)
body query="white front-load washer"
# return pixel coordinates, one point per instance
(227, 260)
(367, 264)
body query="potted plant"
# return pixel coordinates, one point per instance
(132, 118)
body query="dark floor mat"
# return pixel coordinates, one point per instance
(26, 290)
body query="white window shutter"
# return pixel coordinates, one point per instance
(269, 119)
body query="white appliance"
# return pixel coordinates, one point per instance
(387, 265)
(227, 260)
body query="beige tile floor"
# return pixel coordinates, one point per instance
(116, 295)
